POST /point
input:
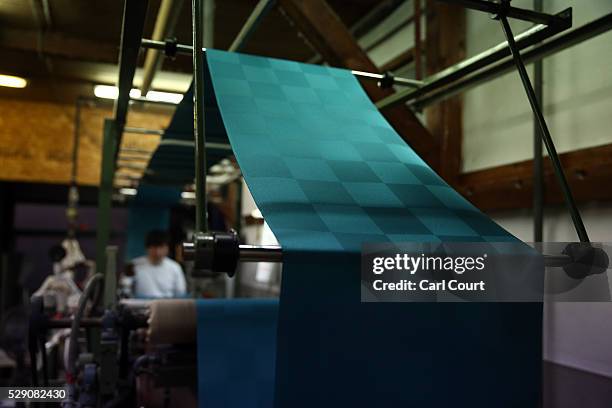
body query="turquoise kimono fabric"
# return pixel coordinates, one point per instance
(329, 173)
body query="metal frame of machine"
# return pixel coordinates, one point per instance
(213, 251)
(205, 244)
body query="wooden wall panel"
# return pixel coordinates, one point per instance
(36, 140)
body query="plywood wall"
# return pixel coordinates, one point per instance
(36, 140)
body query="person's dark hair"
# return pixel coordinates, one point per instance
(156, 238)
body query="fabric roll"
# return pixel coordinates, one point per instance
(329, 173)
(172, 321)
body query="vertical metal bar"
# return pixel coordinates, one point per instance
(73, 192)
(76, 139)
(538, 170)
(198, 117)
(110, 277)
(209, 24)
(417, 40)
(105, 192)
(548, 142)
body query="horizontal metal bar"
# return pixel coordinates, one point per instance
(143, 131)
(187, 49)
(553, 261)
(261, 253)
(126, 177)
(174, 142)
(191, 144)
(413, 83)
(512, 12)
(130, 166)
(274, 253)
(149, 101)
(66, 323)
(132, 150)
(553, 46)
(132, 158)
(492, 55)
(161, 45)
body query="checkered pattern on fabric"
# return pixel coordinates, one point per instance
(325, 167)
(329, 173)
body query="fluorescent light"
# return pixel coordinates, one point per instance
(106, 91)
(128, 191)
(188, 195)
(163, 96)
(11, 81)
(112, 92)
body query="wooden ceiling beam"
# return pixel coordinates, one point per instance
(589, 173)
(324, 30)
(56, 44)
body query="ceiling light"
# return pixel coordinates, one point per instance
(112, 92)
(163, 97)
(188, 195)
(11, 81)
(128, 191)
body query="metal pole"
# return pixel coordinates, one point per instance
(418, 65)
(209, 24)
(512, 12)
(143, 131)
(274, 253)
(198, 118)
(462, 69)
(161, 45)
(110, 277)
(187, 49)
(538, 170)
(166, 19)
(105, 193)
(259, 12)
(73, 191)
(131, 33)
(550, 146)
(557, 44)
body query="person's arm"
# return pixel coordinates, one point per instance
(180, 286)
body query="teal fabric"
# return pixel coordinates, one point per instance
(174, 165)
(329, 173)
(236, 352)
(149, 210)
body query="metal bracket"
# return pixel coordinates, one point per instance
(171, 47)
(220, 252)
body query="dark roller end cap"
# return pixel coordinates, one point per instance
(386, 81)
(586, 260)
(216, 252)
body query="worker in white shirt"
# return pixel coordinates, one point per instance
(156, 275)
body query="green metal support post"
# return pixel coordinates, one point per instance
(105, 193)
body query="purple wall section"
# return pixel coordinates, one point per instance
(40, 226)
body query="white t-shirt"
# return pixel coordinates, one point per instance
(163, 280)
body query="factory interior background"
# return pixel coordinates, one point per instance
(58, 83)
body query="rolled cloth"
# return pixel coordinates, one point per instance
(236, 346)
(173, 321)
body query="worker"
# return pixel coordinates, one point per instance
(156, 275)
